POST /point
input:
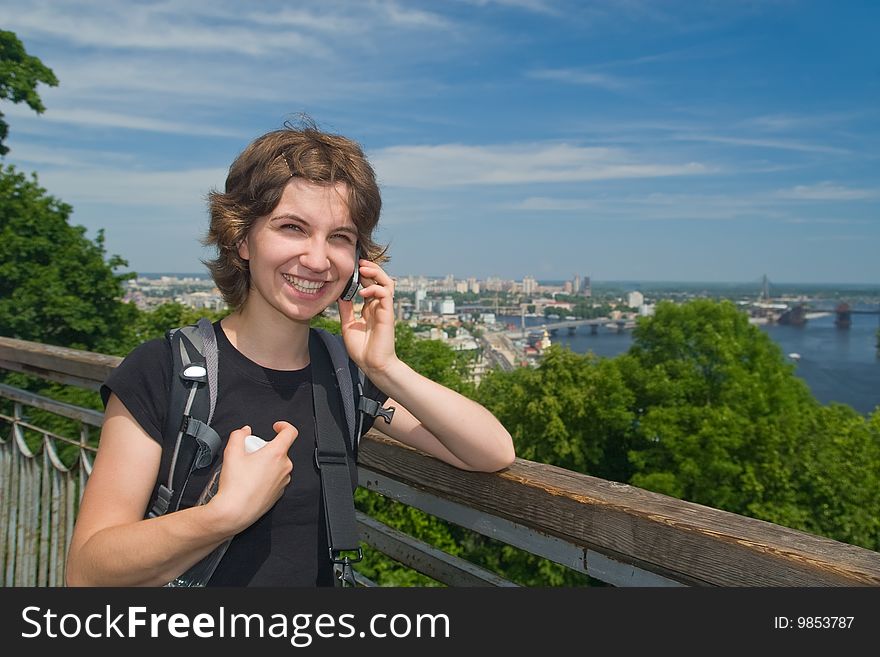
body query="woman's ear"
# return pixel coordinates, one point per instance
(243, 251)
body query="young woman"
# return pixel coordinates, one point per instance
(297, 207)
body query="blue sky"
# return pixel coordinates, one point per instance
(625, 140)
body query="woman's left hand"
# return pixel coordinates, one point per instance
(369, 339)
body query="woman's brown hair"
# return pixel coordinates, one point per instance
(256, 181)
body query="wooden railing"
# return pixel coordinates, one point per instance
(614, 532)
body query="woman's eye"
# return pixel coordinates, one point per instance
(293, 227)
(344, 236)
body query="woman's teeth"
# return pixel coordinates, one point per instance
(302, 285)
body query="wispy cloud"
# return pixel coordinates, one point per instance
(536, 6)
(826, 221)
(460, 164)
(104, 119)
(783, 144)
(582, 77)
(676, 207)
(836, 238)
(44, 156)
(407, 17)
(827, 191)
(549, 204)
(157, 27)
(792, 122)
(126, 186)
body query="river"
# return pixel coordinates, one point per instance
(838, 365)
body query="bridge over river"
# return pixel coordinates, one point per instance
(572, 326)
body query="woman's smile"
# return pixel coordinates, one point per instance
(305, 286)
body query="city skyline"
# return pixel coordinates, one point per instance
(623, 141)
(635, 284)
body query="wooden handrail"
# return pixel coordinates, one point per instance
(680, 540)
(687, 542)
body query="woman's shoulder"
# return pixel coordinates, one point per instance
(149, 361)
(150, 353)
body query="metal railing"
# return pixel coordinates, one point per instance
(616, 533)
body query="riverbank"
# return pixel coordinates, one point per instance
(839, 365)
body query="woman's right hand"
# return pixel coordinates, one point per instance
(250, 483)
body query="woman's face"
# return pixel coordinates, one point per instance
(303, 252)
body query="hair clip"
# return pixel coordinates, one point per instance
(289, 163)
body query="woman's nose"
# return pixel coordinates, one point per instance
(315, 256)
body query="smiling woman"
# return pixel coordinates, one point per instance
(300, 256)
(290, 229)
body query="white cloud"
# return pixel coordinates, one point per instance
(536, 6)
(655, 206)
(459, 164)
(827, 191)
(547, 204)
(127, 186)
(219, 27)
(783, 144)
(579, 77)
(160, 27)
(824, 221)
(103, 119)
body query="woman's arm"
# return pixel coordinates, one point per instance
(443, 423)
(112, 545)
(429, 416)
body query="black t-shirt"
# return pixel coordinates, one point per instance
(288, 545)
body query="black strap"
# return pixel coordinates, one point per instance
(333, 461)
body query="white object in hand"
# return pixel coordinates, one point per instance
(253, 443)
(201, 572)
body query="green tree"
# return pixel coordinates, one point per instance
(55, 285)
(433, 359)
(720, 411)
(722, 420)
(573, 410)
(20, 74)
(152, 324)
(837, 477)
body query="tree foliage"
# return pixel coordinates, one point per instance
(572, 410)
(721, 411)
(55, 285)
(20, 74)
(155, 323)
(705, 408)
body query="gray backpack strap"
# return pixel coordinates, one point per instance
(356, 401)
(189, 442)
(209, 341)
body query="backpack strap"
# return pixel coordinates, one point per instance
(189, 443)
(360, 397)
(337, 381)
(332, 456)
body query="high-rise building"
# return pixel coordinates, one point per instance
(493, 284)
(587, 289)
(529, 285)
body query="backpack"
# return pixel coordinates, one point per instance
(339, 390)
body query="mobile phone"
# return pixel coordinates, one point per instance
(354, 282)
